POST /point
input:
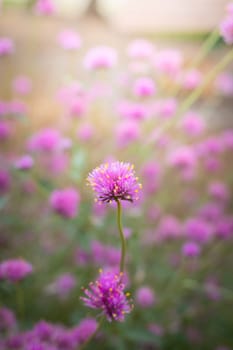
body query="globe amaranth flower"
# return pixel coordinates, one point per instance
(15, 270)
(114, 181)
(65, 202)
(107, 294)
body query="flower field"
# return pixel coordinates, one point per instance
(116, 190)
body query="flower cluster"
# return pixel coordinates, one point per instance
(15, 270)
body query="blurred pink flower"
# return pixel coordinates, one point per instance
(7, 46)
(45, 7)
(65, 202)
(169, 62)
(167, 108)
(24, 163)
(198, 230)
(100, 57)
(191, 249)
(226, 29)
(5, 130)
(46, 140)
(191, 79)
(69, 40)
(62, 286)
(144, 87)
(224, 84)
(193, 124)
(140, 49)
(127, 132)
(85, 132)
(133, 110)
(22, 85)
(145, 297)
(15, 270)
(219, 191)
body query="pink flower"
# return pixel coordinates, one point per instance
(133, 110)
(193, 124)
(226, 29)
(5, 130)
(100, 57)
(140, 49)
(127, 132)
(6, 46)
(191, 79)
(144, 87)
(15, 270)
(167, 108)
(224, 84)
(107, 294)
(22, 85)
(190, 249)
(24, 163)
(65, 202)
(85, 132)
(45, 7)
(145, 297)
(168, 62)
(114, 181)
(46, 140)
(63, 285)
(69, 40)
(219, 191)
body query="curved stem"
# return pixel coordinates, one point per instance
(208, 44)
(123, 242)
(228, 58)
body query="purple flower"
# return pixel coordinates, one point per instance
(65, 202)
(15, 270)
(190, 249)
(63, 285)
(145, 297)
(5, 130)
(107, 294)
(84, 330)
(113, 181)
(226, 29)
(24, 163)
(7, 320)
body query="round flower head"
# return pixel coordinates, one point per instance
(107, 294)
(114, 181)
(15, 270)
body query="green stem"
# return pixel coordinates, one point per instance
(193, 97)
(206, 48)
(123, 242)
(20, 300)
